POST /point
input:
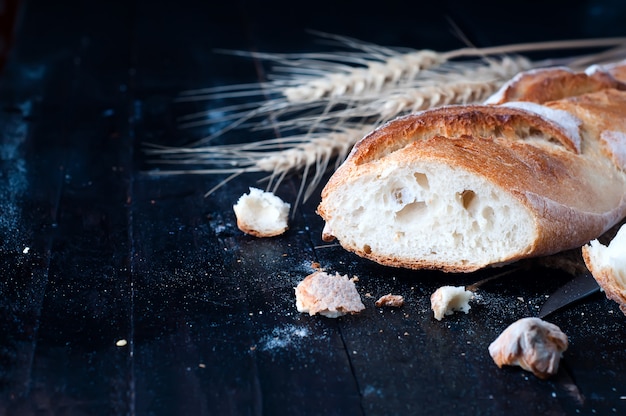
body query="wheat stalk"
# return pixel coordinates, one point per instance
(328, 101)
(466, 84)
(311, 153)
(322, 76)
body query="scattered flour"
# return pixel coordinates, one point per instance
(283, 337)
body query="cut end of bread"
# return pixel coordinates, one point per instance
(427, 215)
(261, 214)
(328, 295)
(607, 264)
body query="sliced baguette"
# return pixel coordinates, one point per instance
(460, 188)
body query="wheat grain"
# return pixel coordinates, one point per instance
(394, 68)
(464, 87)
(372, 79)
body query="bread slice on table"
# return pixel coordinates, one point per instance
(460, 188)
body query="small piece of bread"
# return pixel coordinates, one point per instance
(261, 214)
(394, 301)
(328, 295)
(449, 299)
(607, 264)
(459, 188)
(531, 343)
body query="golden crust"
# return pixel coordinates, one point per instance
(551, 84)
(456, 121)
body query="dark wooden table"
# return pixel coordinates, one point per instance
(127, 293)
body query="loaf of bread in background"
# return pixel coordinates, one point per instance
(537, 170)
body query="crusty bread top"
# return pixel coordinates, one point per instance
(549, 84)
(457, 121)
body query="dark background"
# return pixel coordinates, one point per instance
(94, 250)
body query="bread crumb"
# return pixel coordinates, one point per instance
(261, 214)
(394, 301)
(449, 299)
(121, 343)
(531, 343)
(607, 265)
(328, 295)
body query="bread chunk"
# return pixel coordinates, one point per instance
(448, 299)
(607, 264)
(460, 188)
(393, 301)
(328, 295)
(531, 343)
(261, 214)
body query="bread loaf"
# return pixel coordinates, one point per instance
(460, 188)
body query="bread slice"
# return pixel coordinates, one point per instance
(460, 188)
(607, 264)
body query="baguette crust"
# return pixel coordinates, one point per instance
(562, 161)
(549, 84)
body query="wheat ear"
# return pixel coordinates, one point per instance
(311, 153)
(302, 82)
(307, 77)
(462, 85)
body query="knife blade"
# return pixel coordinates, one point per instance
(580, 287)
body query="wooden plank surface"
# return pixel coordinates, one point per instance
(128, 293)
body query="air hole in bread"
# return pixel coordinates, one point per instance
(411, 211)
(488, 214)
(422, 180)
(397, 195)
(466, 198)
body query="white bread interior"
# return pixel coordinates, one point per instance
(262, 214)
